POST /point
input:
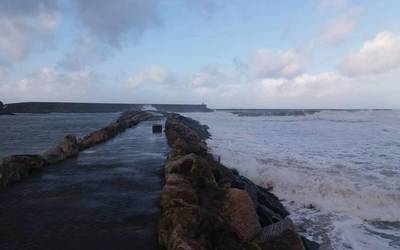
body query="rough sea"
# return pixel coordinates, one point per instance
(338, 172)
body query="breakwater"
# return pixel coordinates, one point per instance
(16, 167)
(67, 107)
(205, 205)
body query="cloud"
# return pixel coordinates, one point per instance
(152, 75)
(338, 30)
(304, 85)
(111, 20)
(86, 52)
(342, 26)
(378, 55)
(49, 84)
(25, 25)
(267, 63)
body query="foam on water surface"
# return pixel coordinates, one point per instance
(344, 166)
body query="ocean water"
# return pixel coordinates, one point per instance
(35, 133)
(337, 171)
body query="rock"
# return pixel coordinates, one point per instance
(193, 166)
(243, 183)
(270, 201)
(177, 192)
(177, 224)
(175, 128)
(309, 245)
(281, 235)
(239, 211)
(15, 167)
(68, 147)
(127, 120)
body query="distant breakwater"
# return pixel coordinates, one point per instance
(205, 205)
(67, 107)
(16, 167)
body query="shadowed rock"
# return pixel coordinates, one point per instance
(14, 168)
(68, 147)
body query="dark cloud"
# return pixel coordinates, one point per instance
(111, 20)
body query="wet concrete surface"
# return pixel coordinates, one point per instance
(106, 198)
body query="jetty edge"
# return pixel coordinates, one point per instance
(205, 205)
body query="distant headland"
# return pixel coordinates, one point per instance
(72, 107)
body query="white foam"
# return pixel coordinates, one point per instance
(149, 108)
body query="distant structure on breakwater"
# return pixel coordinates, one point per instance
(70, 107)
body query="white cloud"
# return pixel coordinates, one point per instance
(378, 55)
(50, 85)
(25, 25)
(304, 85)
(152, 75)
(267, 64)
(338, 30)
(342, 26)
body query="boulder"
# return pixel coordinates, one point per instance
(177, 192)
(281, 235)
(239, 211)
(68, 147)
(193, 166)
(177, 225)
(15, 167)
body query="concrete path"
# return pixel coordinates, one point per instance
(107, 198)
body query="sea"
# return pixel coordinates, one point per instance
(36, 133)
(337, 171)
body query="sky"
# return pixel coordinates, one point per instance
(225, 53)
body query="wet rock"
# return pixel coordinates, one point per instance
(175, 129)
(177, 192)
(270, 201)
(14, 168)
(281, 235)
(310, 245)
(239, 211)
(177, 226)
(127, 120)
(68, 147)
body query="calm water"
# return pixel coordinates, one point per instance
(344, 164)
(35, 133)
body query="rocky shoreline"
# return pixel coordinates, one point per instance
(16, 167)
(205, 205)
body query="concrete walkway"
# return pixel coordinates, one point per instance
(107, 198)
